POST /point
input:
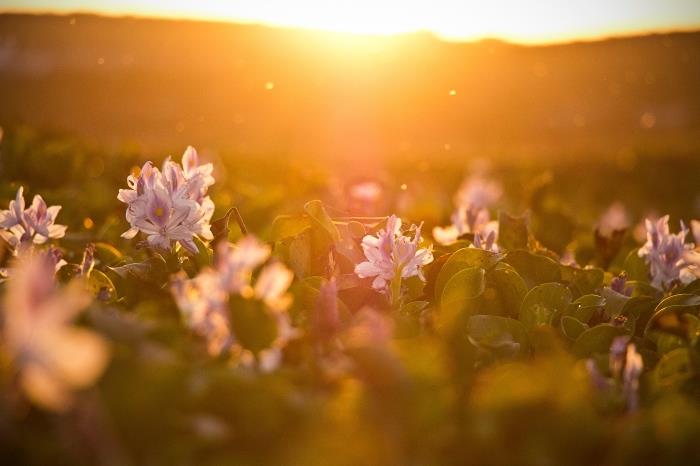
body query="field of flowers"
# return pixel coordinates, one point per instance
(202, 309)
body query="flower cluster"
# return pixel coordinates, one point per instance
(392, 256)
(34, 224)
(204, 299)
(471, 215)
(666, 254)
(171, 204)
(53, 357)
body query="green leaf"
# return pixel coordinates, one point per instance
(204, 256)
(669, 315)
(636, 267)
(463, 286)
(582, 281)
(542, 302)
(287, 226)
(513, 232)
(462, 259)
(107, 254)
(153, 270)
(533, 268)
(572, 327)
(460, 298)
(584, 307)
(596, 340)
(496, 331)
(101, 286)
(219, 227)
(675, 369)
(407, 319)
(320, 217)
(254, 328)
(511, 287)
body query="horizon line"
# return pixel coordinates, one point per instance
(583, 38)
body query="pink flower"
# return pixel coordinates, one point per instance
(471, 214)
(392, 255)
(35, 224)
(666, 254)
(53, 357)
(204, 300)
(170, 205)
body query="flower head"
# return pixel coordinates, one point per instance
(204, 300)
(53, 357)
(170, 205)
(393, 255)
(33, 224)
(665, 253)
(471, 214)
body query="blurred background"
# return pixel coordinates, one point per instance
(594, 101)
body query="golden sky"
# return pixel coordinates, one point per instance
(514, 20)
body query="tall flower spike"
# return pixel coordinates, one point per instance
(392, 256)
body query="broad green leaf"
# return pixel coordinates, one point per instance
(596, 340)
(572, 327)
(674, 369)
(320, 217)
(101, 286)
(287, 226)
(464, 285)
(496, 331)
(460, 298)
(533, 268)
(669, 315)
(636, 267)
(582, 281)
(614, 302)
(253, 326)
(460, 260)
(511, 287)
(542, 302)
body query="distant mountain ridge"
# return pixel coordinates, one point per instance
(165, 83)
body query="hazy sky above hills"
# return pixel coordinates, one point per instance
(514, 20)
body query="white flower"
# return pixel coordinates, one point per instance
(666, 253)
(391, 255)
(170, 205)
(35, 223)
(53, 357)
